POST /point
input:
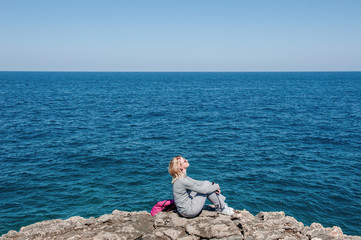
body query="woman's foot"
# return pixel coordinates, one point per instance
(227, 211)
(226, 206)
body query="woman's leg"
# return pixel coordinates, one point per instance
(197, 203)
(218, 200)
(199, 200)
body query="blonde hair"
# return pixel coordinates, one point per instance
(174, 168)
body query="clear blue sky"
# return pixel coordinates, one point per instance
(185, 35)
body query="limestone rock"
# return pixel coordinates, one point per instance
(242, 225)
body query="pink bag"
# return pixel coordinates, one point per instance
(165, 206)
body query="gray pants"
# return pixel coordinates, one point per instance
(198, 200)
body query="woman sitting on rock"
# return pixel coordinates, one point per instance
(190, 195)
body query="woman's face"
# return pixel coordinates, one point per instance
(184, 164)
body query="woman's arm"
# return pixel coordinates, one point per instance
(203, 187)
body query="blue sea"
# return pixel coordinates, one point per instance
(86, 143)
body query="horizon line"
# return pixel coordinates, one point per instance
(160, 71)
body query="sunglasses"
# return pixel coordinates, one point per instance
(185, 160)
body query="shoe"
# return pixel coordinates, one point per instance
(226, 206)
(227, 211)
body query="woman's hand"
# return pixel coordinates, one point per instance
(219, 189)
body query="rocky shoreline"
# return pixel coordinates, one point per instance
(169, 225)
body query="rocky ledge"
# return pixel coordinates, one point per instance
(169, 225)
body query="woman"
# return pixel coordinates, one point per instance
(190, 195)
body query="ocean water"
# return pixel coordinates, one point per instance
(78, 143)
